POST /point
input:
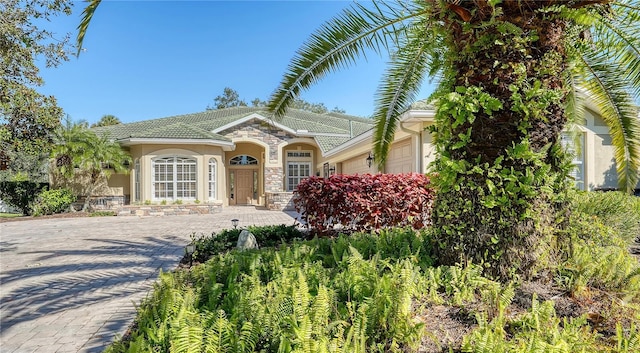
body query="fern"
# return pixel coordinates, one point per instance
(217, 338)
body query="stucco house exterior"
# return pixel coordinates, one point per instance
(240, 156)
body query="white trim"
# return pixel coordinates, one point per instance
(298, 133)
(410, 116)
(213, 190)
(249, 118)
(299, 163)
(175, 181)
(349, 144)
(226, 145)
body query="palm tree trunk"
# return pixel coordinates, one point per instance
(500, 166)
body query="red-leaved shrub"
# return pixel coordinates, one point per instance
(365, 201)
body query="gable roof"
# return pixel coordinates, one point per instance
(329, 130)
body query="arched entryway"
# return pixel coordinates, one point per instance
(245, 175)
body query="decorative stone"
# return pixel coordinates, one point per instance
(246, 240)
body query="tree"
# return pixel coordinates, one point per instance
(509, 72)
(107, 120)
(86, 159)
(229, 98)
(28, 118)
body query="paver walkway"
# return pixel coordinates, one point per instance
(70, 284)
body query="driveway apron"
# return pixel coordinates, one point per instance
(72, 284)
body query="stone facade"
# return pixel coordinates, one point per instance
(279, 201)
(101, 203)
(169, 210)
(273, 179)
(261, 131)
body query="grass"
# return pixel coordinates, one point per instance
(382, 293)
(10, 215)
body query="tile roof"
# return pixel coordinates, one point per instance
(326, 128)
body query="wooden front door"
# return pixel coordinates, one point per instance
(244, 185)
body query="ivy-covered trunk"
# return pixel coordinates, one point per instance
(501, 172)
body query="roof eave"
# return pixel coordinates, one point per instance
(349, 144)
(408, 117)
(226, 145)
(414, 116)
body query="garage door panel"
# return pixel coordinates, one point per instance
(400, 158)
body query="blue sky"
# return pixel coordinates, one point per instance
(153, 59)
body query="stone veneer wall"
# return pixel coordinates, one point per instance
(273, 179)
(273, 137)
(261, 131)
(279, 201)
(169, 210)
(103, 202)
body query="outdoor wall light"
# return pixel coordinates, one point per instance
(332, 170)
(234, 223)
(370, 160)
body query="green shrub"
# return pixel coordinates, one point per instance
(52, 201)
(601, 228)
(21, 194)
(619, 211)
(266, 236)
(102, 214)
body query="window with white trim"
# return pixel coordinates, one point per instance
(212, 179)
(298, 168)
(574, 146)
(136, 181)
(296, 171)
(174, 178)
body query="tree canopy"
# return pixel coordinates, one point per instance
(420, 36)
(80, 153)
(231, 98)
(107, 120)
(509, 74)
(27, 117)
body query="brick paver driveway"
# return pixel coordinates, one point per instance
(70, 284)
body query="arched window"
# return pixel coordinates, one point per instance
(174, 178)
(136, 181)
(213, 195)
(243, 160)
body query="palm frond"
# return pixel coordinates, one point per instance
(610, 94)
(400, 85)
(618, 37)
(339, 42)
(87, 15)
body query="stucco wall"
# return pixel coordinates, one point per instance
(201, 153)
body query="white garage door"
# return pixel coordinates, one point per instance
(357, 165)
(400, 159)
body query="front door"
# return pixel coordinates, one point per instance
(244, 186)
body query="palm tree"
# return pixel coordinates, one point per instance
(107, 120)
(86, 160)
(508, 73)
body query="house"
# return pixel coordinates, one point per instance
(240, 156)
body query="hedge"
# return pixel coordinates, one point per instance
(364, 202)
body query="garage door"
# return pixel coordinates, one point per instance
(357, 165)
(400, 159)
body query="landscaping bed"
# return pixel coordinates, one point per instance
(384, 292)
